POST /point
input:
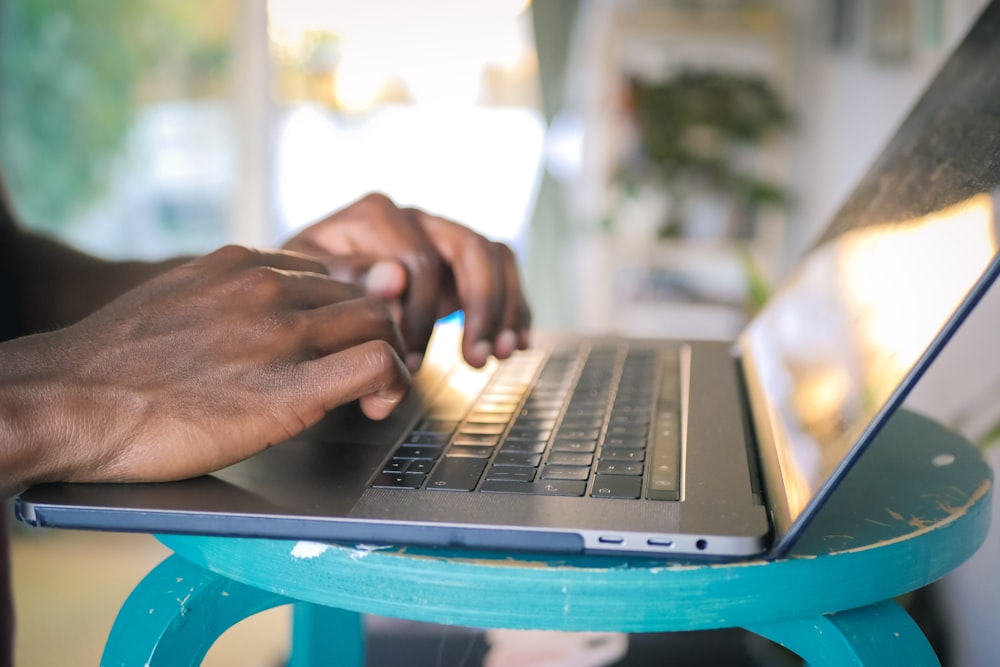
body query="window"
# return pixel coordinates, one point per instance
(433, 103)
(155, 127)
(116, 130)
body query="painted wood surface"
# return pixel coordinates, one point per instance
(912, 510)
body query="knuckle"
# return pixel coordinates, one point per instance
(503, 251)
(377, 202)
(423, 261)
(385, 364)
(263, 282)
(235, 254)
(375, 311)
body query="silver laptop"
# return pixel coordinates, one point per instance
(653, 447)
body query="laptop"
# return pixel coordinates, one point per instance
(721, 450)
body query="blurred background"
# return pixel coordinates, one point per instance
(655, 165)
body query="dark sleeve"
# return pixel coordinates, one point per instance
(9, 327)
(45, 284)
(10, 315)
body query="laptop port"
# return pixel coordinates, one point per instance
(663, 542)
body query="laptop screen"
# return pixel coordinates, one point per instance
(875, 298)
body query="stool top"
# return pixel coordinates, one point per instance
(914, 508)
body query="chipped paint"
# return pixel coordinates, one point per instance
(362, 550)
(306, 550)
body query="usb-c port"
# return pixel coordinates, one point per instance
(610, 539)
(662, 542)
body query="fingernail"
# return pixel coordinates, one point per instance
(414, 361)
(506, 343)
(382, 279)
(482, 351)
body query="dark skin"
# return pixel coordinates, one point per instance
(206, 362)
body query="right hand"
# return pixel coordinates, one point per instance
(196, 369)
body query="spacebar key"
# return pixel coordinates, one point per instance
(456, 474)
(553, 487)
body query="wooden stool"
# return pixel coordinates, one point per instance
(913, 509)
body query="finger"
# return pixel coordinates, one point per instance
(386, 279)
(379, 277)
(240, 256)
(479, 283)
(371, 372)
(424, 279)
(345, 325)
(515, 323)
(281, 290)
(383, 278)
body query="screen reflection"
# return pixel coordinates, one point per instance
(831, 349)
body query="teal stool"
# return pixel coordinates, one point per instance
(915, 508)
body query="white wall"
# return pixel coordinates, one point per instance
(848, 105)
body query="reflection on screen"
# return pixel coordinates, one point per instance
(833, 346)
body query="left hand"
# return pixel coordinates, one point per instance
(426, 267)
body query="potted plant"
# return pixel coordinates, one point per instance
(697, 134)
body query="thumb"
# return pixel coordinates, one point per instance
(384, 279)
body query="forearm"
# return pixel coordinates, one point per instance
(59, 285)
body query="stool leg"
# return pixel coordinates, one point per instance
(879, 634)
(321, 634)
(176, 613)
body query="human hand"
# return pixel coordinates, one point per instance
(426, 267)
(196, 369)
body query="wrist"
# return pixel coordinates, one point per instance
(33, 420)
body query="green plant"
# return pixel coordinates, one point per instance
(693, 129)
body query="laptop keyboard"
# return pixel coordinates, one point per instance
(601, 421)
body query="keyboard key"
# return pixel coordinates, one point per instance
(579, 473)
(577, 434)
(497, 407)
(408, 451)
(538, 488)
(456, 474)
(509, 474)
(625, 442)
(483, 429)
(544, 403)
(663, 489)
(587, 446)
(522, 446)
(469, 452)
(664, 450)
(577, 422)
(628, 421)
(476, 439)
(489, 418)
(520, 460)
(392, 480)
(570, 459)
(539, 413)
(618, 468)
(621, 454)
(633, 430)
(396, 465)
(523, 433)
(422, 466)
(616, 486)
